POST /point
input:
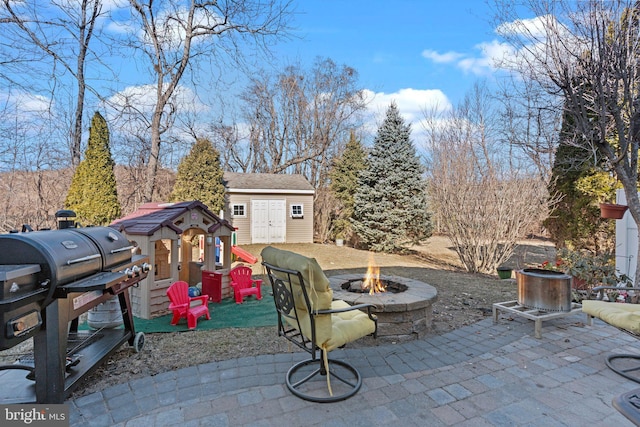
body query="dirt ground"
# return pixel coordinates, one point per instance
(463, 299)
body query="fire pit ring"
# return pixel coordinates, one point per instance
(402, 316)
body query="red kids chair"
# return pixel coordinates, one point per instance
(243, 284)
(180, 304)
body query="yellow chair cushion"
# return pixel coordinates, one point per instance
(318, 290)
(348, 326)
(623, 316)
(332, 331)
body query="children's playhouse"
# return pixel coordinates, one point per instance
(184, 241)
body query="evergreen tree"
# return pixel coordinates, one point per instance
(92, 195)
(390, 208)
(344, 183)
(200, 177)
(574, 221)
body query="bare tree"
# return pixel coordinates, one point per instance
(485, 199)
(174, 35)
(531, 121)
(323, 217)
(587, 52)
(234, 155)
(63, 36)
(297, 120)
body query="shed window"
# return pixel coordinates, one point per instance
(239, 210)
(296, 211)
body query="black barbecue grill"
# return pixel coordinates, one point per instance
(47, 280)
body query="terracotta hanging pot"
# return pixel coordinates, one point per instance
(613, 211)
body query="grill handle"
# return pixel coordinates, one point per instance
(126, 248)
(83, 259)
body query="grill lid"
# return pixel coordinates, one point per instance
(67, 255)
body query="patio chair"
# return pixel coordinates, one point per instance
(623, 316)
(309, 318)
(628, 404)
(244, 284)
(182, 304)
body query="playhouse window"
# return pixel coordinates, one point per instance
(296, 211)
(162, 267)
(239, 210)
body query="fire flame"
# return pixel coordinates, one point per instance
(371, 279)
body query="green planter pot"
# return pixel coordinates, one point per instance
(504, 273)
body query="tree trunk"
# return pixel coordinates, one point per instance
(154, 155)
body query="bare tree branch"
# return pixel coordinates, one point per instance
(174, 35)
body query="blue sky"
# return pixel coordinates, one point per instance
(405, 49)
(415, 52)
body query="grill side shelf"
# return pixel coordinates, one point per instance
(97, 282)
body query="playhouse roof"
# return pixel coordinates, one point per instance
(151, 217)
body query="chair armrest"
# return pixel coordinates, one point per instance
(201, 298)
(343, 310)
(351, 308)
(173, 306)
(258, 282)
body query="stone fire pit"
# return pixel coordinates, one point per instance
(402, 316)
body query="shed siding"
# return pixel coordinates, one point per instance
(243, 225)
(298, 230)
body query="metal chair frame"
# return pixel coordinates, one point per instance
(282, 282)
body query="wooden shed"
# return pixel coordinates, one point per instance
(269, 208)
(180, 239)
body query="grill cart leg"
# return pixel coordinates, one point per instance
(50, 356)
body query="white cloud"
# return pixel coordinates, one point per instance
(412, 103)
(493, 54)
(490, 56)
(21, 104)
(119, 27)
(170, 26)
(32, 103)
(143, 97)
(535, 39)
(534, 27)
(441, 58)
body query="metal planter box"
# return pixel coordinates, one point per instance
(544, 290)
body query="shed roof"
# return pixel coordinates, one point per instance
(151, 217)
(266, 182)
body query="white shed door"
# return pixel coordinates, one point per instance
(268, 221)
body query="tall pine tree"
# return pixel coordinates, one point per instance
(344, 183)
(390, 208)
(200, 177)
(92, 195)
